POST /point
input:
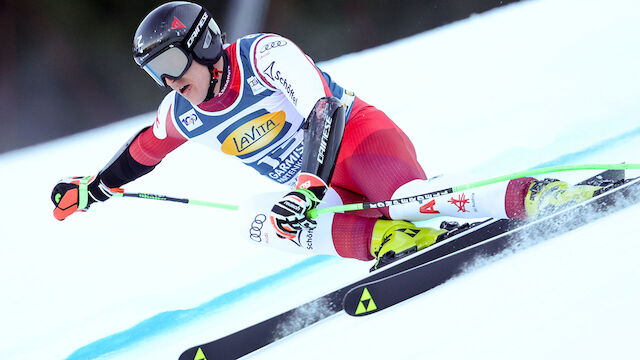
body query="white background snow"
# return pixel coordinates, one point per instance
(539, 82)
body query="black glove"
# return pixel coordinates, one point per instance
(289, 214)
(77, 194)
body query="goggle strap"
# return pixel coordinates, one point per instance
(203, 17)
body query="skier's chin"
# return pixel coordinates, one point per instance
(192, 94)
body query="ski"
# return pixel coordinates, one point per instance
(254, 337)
(371, 297)
(259, 335)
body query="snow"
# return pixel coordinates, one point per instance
(540, 82)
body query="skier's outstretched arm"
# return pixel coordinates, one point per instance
(136, 158)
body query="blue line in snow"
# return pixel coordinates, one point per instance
(572, 158)
(170, 320)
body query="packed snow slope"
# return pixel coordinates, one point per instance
(542, 82)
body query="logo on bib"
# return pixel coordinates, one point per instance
(190, 120)
(254, 135)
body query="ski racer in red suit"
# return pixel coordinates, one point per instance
(262, 100)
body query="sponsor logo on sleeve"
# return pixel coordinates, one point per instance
(309, 239)
(255, 134)
(254, 84)
(271, 45)
(278, 76)
(190, 120)
(255, 231)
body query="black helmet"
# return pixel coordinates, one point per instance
(174, 34)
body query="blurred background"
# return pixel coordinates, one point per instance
(66, 66)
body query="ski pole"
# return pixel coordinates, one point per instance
(314, 213)
(121, 193)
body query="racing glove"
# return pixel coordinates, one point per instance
(77, 194)
(289, 215)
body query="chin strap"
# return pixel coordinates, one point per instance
(217, 75)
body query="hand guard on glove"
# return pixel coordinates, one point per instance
(289, 215)
(77, 194)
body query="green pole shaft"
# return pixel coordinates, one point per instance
(351, 207)
(546, 170)
(314, 213)
(121, 193)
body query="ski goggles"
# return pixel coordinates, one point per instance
(171, 63)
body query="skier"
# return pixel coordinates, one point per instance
(261, 99)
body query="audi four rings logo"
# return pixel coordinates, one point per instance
(256, 227)
(273, 44)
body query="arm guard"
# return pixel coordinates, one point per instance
(323, 133)
(121, 169)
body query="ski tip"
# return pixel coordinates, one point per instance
(194, 353)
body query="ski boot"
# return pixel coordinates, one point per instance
(394, 239)
(549, 195)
